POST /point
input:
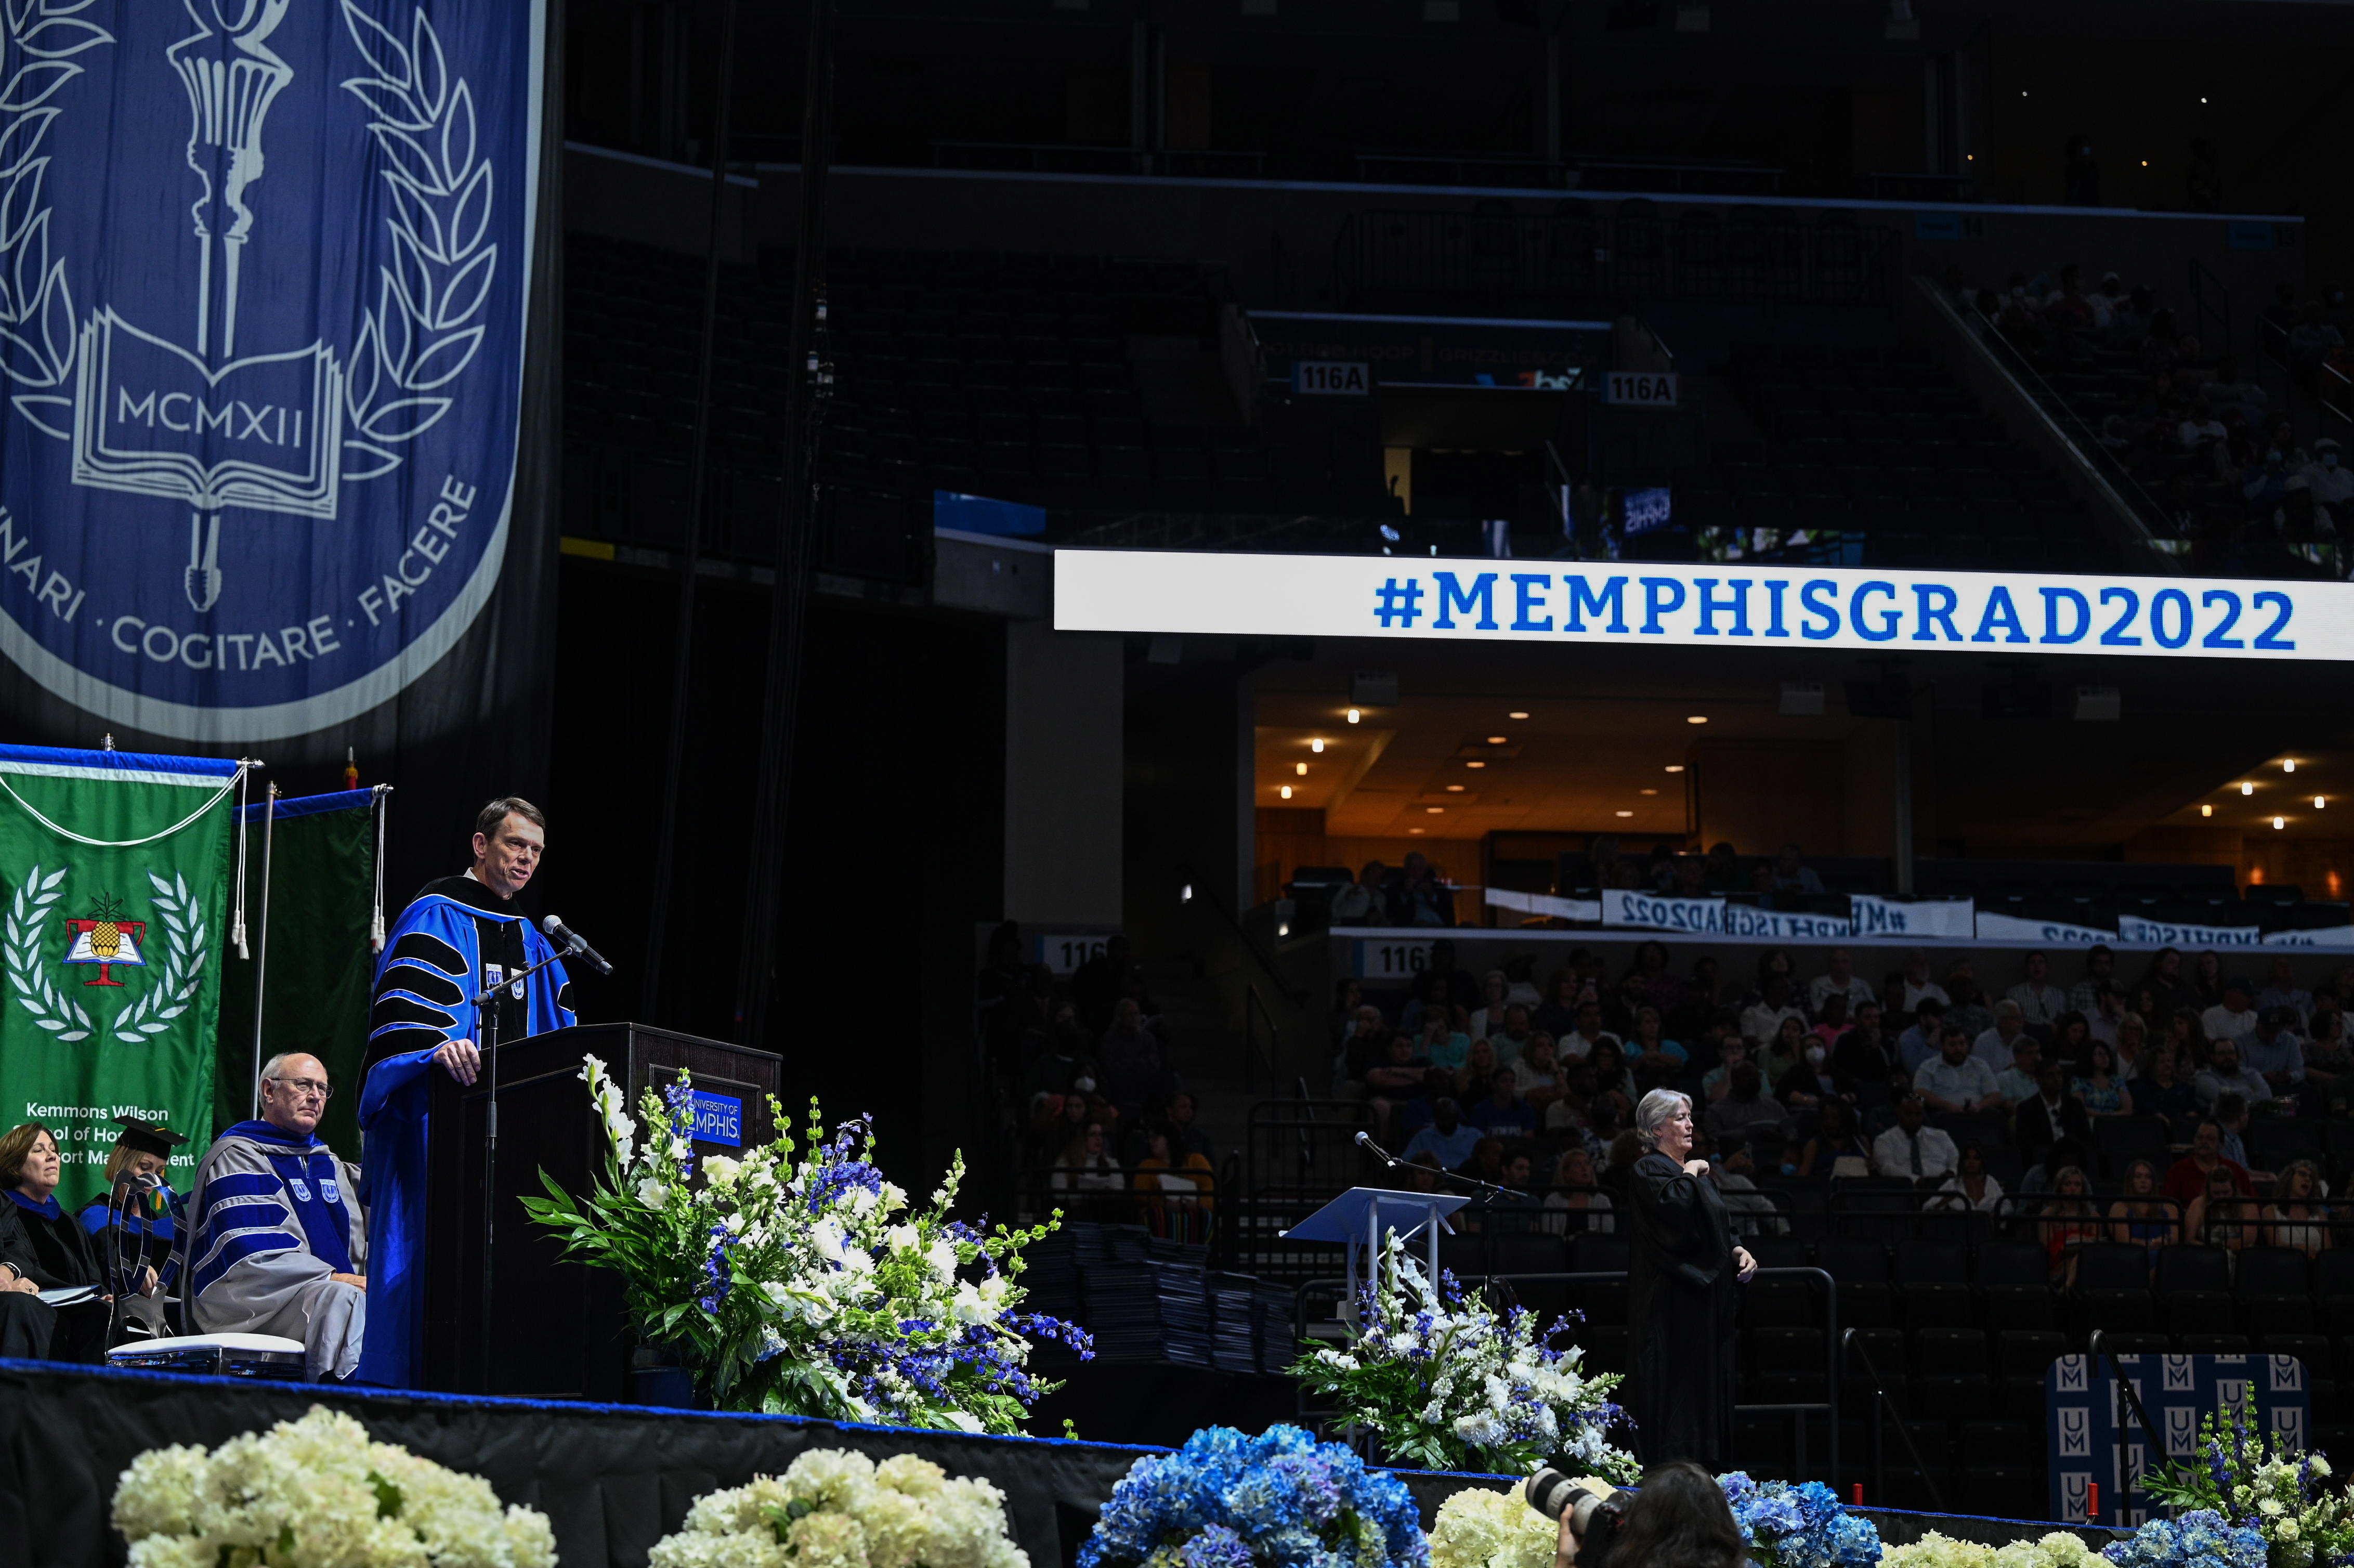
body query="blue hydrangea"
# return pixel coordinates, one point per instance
(1277, 1500)
(1799, 1525)
(2202, 1540)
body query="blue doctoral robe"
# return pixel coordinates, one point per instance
(453, 939)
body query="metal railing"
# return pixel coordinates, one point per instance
(1255, 1008)
(1880, 1402)
(2210, 299)
(1575, 253)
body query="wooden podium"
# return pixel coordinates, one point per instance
(558, 1329)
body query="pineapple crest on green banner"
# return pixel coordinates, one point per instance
(115, 872)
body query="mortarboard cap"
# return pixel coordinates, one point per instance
(147, 1138)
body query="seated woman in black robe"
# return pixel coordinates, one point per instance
(46, 1244)
(1680, 1294)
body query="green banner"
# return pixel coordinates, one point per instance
(114, 891)
(321, 962)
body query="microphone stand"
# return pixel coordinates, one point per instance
(489, 1017)
(1488, 1191)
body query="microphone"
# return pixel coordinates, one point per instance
(1365, 1141)
(574, 944)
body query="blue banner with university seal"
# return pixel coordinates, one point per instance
(2092, 1435)
(265, 273)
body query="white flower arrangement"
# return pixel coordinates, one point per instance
(2058, 1550)
(318, 1493)
(836, 1509)
(1448, 1384)
(1480, 1529)
(797, 1280)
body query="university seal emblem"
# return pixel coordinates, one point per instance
(263, 292)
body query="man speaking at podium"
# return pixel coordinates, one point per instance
(459, 935)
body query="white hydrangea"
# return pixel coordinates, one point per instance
(906, 1512)
(342, 1498)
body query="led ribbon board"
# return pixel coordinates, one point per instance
(1699, 606)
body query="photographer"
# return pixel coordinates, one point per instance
(1679, 1520)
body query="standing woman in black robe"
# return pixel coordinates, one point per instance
(1680, 1294)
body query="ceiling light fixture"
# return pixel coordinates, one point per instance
(1454, 789)
(2317, 802)
(1413, 830)
(1697, 718)
(1285, 791)
(2247, 788)
(1675, 767)
(2279, 822)
(1433, 810)
(1354, 716)
(1475, 765)
(2288, 764)
(1317, 745)
(2206, 811)
(1647, 792)
(1516, 713)
(1498, 739)
(1300, 768)
(1624, 814)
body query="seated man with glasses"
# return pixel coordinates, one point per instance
(279, 1238)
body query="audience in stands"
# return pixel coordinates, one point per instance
(1837, 1149)
(2164, 1092)
(2189, 1176)
(1912, 1150)
(1998, 1047)
(2220, 1215)
(1745, 1106)
(1956, 1082)
(1447, 1140)
(2224, 1074)
(2300, 1217)
(2068, 1221)
(1971, 1186)
(2141, 1217)
(1177, 1189)
(1576, 1203)
(1840, 979)
(2098, 1088)
(2052, 1114)
(1503, 1110)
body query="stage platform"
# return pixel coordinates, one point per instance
(613, 1479)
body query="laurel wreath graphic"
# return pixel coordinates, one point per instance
(419, 336)
(421, 333)
(20, 954)
(185, 936)
(39, 39)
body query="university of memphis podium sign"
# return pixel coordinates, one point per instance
(263, 276)
(1701, 605)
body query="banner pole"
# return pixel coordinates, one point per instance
(691, 563)
(261, 942)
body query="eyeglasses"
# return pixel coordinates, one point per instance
(304, 1088)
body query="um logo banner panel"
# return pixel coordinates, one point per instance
(1701, 605)
(263, 280)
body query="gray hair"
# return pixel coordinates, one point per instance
(270, 1068)
(1653, 1114)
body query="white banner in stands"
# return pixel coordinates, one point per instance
(2168, 933)
(1716, 917)
(1545, 903)
(1874, 916)
(1713, 605)
(2327, 937)
(1995, 927)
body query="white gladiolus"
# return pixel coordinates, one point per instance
(653, 1193)
(721, 1169)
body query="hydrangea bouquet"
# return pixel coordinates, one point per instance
(1446, 1383)
(318, 1492)
(2280, 1492)
(2200, 1539)
(835, 1509)
(1799, 1526)
(2060, 1549)
(1477, 1528)
(1277, 1500)
(800, 1281)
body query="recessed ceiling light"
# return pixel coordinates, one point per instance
(2317, 802)
(2279, 822)
(1696, 719)
(1433, 810)
(1649, 791)
(1458, 789)
(1675, 767)
(2247, 788)
(2206, 811)
(1475, 765)
(1285, 791)
(2288, 764)
(1498, 739)
(1625, 813)
(1413, 830)
(1317, 745)
(1301, 767)
(1516, 713)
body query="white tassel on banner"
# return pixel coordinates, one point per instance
(236, 917)
(376, 920)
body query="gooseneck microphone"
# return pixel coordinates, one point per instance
(575, 944)
(1365, 1141)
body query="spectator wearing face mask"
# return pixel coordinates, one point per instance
(2263, 483)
